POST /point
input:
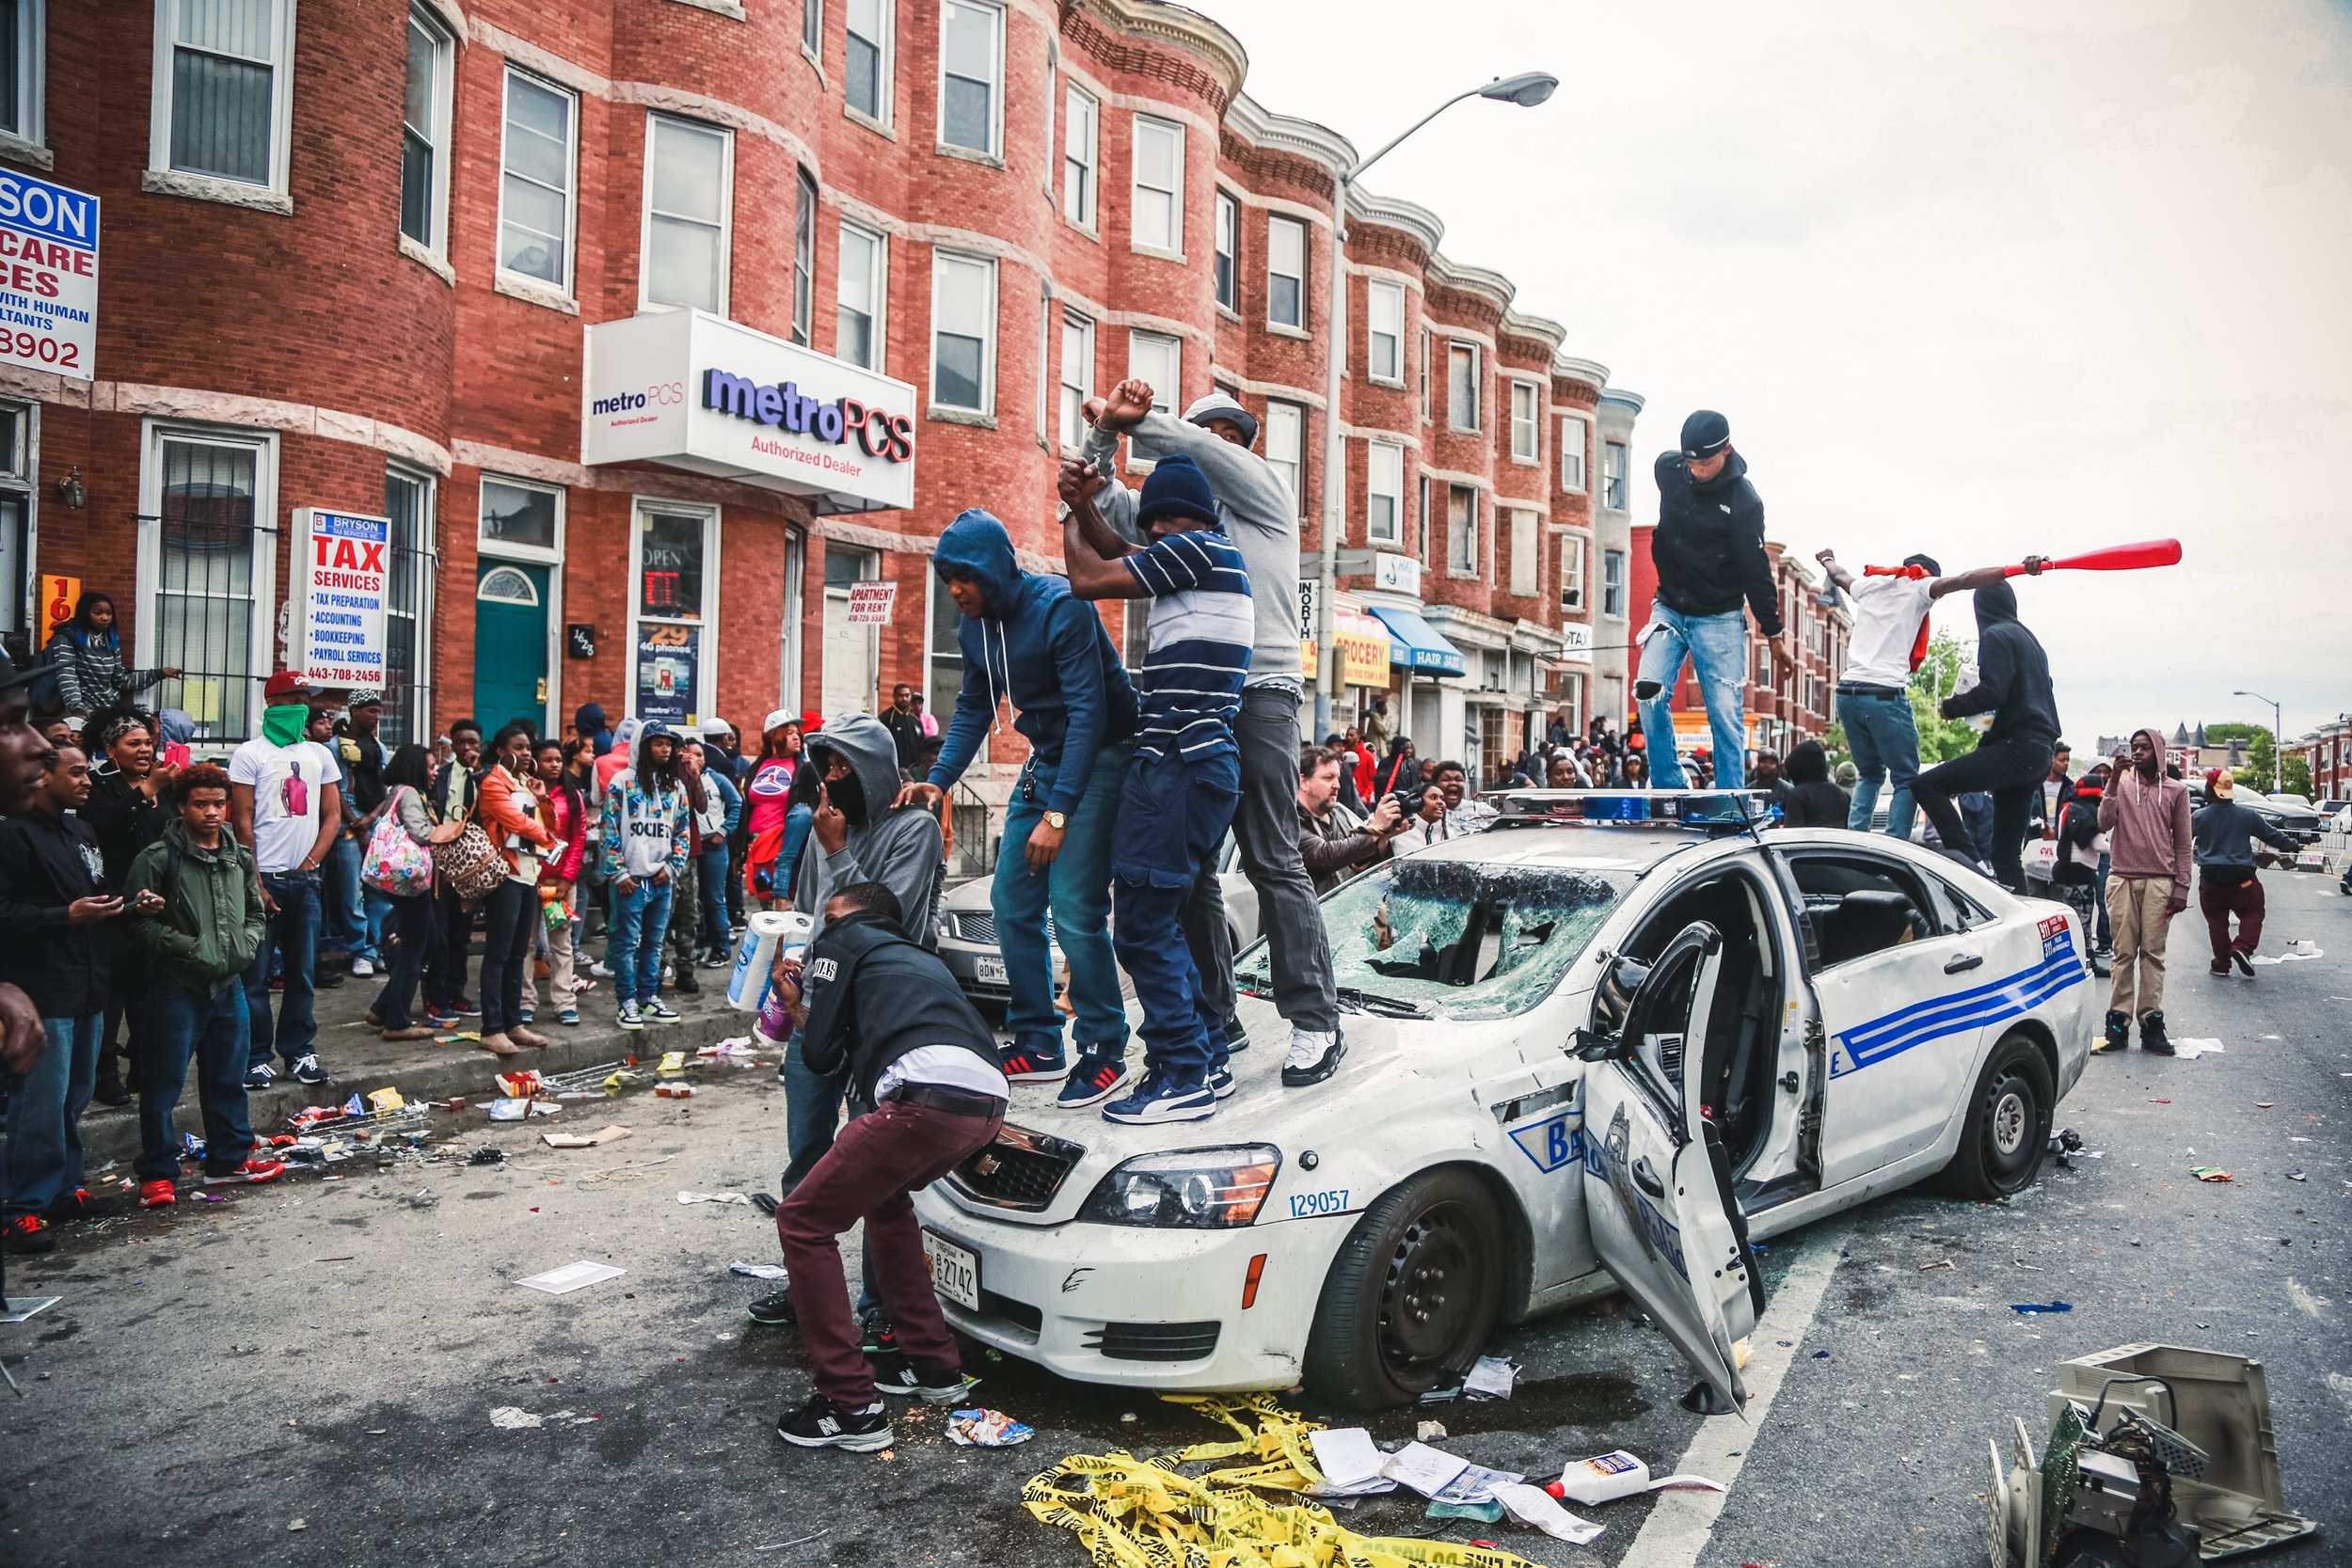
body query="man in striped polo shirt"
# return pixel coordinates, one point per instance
(1180, 791)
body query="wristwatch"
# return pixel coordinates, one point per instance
(1058, 820)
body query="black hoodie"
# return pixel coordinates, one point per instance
(2012, 675)
(874, 995)
(1708, 545)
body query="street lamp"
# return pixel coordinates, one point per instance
(1526, 89)
(2278, 740)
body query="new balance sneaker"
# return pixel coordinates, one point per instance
(308, 1069)
(26, 1233)
(823, 1424)
(1312, 1058)
(259, 1077)
(158, 1194)
(659, 1011)
(774, 1309)
(901, 1379)
(1159, 1099)
(2152, 1038)
(1220, 1082)
(250, 1173)
(629, 1017)
(1029, 1065)
(1096, 1077)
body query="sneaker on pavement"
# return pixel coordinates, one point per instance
(900, 1379)
(1028, 1065)
(717, 961)
(875, 1337)
(1312, 1058)
(600, 969)
(112, 1091)
(1159, 1099)
(526, 1013)
(2245, 963)
(467, 1007)
(158, 1194)
(308, 1069)
(774, 1309)
(568, 1017)
(250, 1173)
(629, 1017)
(823, 1424)
(2152, 1038)
(581, 987)
(362, 968)
(659, 1011)
(259, 1077)
(2118, 1032)
(1096, 1077)
(26, 1233)
(1220, 1082)
(73, 1205)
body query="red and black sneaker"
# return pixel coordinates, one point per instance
(26, 1233)
(1024, 1066)
(1098, 1076)
(251, 1171)
(72, 1206)
(158, 1194)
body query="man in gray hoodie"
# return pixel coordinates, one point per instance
(1259, 513)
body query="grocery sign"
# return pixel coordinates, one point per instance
(48, 277)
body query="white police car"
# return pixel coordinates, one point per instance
(1602, 1045)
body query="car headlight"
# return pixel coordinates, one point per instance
(1196, 1189)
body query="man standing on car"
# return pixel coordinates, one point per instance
(1026, 640)
(1708, 551)
(2150, 847)
(2013, 686)
(2225, 831)
(1258, 513)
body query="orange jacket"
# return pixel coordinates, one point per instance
(507, 808)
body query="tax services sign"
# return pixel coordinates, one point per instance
(692, 391)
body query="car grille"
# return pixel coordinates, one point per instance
(1021, 1169)
(1154, 1341)
(980, 926)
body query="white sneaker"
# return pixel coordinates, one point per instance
(599, 970)
(361, 969)
(1307, 1047)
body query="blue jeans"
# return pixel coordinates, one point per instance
(1716, 647)
(1885, 743)
(45, 1114)
(209, 1025)
(1172, 814)
(293, 931)
(812, 1113)
(379, 911)
(711, 884)
(346, 920)
(641, 918)
(1077, 887)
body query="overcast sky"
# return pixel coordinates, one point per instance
(1978, 280)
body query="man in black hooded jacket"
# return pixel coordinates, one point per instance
(2013, 686)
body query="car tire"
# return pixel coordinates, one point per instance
(1412, 1295)
(2008, 1130)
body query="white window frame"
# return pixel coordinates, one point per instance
(813, 32)
(1453, 536)
(1138, 192)
(1572, 549)
(706, 662)
(428, 485)
(988, 343)
(1527, 428)
(805, 205)
(1158, 358)
(570, 193)
(1286, 427)
(1082, 153)
(885, 65)
(1228, 248)
(1384, 480)
(223, 186)
(1384, 318)
(994, 150)
(262, 624)
(1620, 585)
(1078, 354)
(32, 65)
(1275, 224)
(1576, 441)
(1527, 551)
(1047, 319)
(876, 288)
(1619, 455)
(726, 212)
(1428, 352)
(435, 242)
(506, 550)
(1455, 347)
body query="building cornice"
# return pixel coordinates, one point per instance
(1188, 30)
(1389, 212)
(1447, 273)
(1255, 124)
(1632, 402)
(1543, 329)
(1590, 372)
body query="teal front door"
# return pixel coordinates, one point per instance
(510, 645)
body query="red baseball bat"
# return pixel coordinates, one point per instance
(2118, 558)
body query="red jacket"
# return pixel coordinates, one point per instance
(507, 808)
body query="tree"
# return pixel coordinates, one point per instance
(2294, 774)
(1937, 677)
(1834, 742)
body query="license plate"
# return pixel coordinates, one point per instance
(955, 1270)
(991, 971)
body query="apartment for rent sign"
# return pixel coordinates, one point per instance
(346, 575)
(48, 277)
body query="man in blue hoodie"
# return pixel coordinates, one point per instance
(1027, 641)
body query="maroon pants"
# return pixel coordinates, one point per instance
(2219, 899)
(875, 1163)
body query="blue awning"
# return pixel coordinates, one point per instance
(1415, 644)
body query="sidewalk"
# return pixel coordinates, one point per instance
(361, 1060)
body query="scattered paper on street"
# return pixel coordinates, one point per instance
(760, 1271)
(571, 1277)
(512, 1418)
(2188, 1051)
(1345, 1455)
(1426, 1470)
(1534, 1506)
(1476, 1484)
(1492, 1379)
(597, 1139)
(714, 1198)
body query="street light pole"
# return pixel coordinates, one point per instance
(1527, 90)
(2277, 741)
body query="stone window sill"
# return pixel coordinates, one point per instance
(428, 260)
(976, 419)
(530, 291)
(210, 188)
(24, 152)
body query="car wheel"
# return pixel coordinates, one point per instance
(2009, 1124)
(1412, 1295)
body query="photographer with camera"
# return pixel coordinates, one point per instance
(1333, 841)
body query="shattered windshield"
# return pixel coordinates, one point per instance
(1456, 937)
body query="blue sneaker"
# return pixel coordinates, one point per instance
(1096, 1077)
(1162, 1098)
(1026, 1064)
(1220, 1082)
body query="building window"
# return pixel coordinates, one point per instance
(1572, 572)
(22, 73)
(813, 27)
(804, 259)
(211, 616)
(1227, 252)
(1157, 219)
(1525, 549)
(1383, 492)
(1158, 360)
(16, 508)
(1285, 440)
(1286, 272)
(865, 69)
(1613, 475)
(520, 518)
(536, 165)
(1526, 422)
(1046, 318)
(1385, 351)
(423, 134)
(1422, 513)
(862, 283)
(1573, 434)
(963, 333)
(408, 496)
(1613, 584)
(223, 88)
(1461, 394)
(945, 654)
(1461, 529)
(1077, 377)
(971, 77)
(1428, 349)
(1081, 139)
(687, 175)
(671, 636)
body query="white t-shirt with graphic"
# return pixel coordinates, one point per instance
(288, 784)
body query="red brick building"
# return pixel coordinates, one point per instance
(2327, 751)
(440, 263)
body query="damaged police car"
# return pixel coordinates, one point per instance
(1601, 1045)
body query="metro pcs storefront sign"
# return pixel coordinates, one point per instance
(695, 392)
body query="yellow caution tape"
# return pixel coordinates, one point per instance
(1132, 1513)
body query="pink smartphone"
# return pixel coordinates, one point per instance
(176, 753)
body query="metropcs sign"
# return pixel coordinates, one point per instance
(693, 390)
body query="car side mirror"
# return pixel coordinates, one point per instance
(1586, 1046)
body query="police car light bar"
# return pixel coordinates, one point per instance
(1693, 808)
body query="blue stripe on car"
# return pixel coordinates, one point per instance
(1994, 1002)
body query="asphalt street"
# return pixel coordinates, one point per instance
(307, 1371)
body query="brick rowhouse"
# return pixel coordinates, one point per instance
(363, 256)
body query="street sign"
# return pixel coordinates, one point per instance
(346, 573)
(1397, 574)
(48, 277)
(870, 602)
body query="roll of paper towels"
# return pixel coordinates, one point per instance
(766, 933)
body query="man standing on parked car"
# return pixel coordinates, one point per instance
(286, 795)
(2227, 885)
(2150, 847)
